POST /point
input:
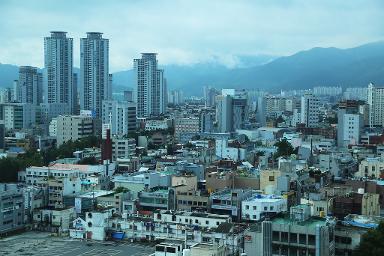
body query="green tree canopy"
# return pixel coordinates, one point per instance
(372, 243)
(284, 148)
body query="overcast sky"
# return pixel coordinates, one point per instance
(188, 32)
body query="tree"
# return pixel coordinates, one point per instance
(9, 168)
(371, 243)
(284, 148)
(121, 190)
(170, 149)
(88, 161)
(67, 148)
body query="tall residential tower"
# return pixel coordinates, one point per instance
(29, 86)
(151, 86)
(58, 63)
(95, 82)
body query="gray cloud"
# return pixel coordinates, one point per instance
(188, 32)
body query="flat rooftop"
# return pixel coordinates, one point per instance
(264, 198)
(96, 193)
(311, 222)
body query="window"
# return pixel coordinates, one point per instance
(271, 178)
(207, 222)
(275, 236)
(247, 207)
(302, 239)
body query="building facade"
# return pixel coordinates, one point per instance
(58, 63)
(73, 128)
(151, 92)
(11, 208)
(121, 115)
(310, 110)
(18, 116)
(94, 72)
(29, 87)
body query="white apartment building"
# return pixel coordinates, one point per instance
(224, 151)
(120, 115)
(186, 125)
(73, 128)
(310, 110)
(154, 124)
(123, 148)
(204, 220)
(375, 100)
(259, 206)
(35, 175)
(348, 128)
(18, 116)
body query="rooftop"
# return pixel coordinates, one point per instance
(197, 214)
(264, 198)
(96, 193)
(310, 223)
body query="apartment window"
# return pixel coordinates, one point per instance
(254, 208)
(302, 239)
(207, 222)
(284, 236)
(271, 178)
(275, 236)
(247, 207)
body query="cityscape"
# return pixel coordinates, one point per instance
(163, 153)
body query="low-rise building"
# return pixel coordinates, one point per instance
(185, 126)
(298, 233)
(202, 249)
(36, 175)
(156, 124)
(268, 180)
(73, 128)
(11, 208)
(260, 206)
(62, 186)
(228, 201)
(55, 220)
(192, 200)
(372, 167)
(224, 150)
(123, 148)
(200, 219)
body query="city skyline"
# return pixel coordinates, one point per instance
(190, 32)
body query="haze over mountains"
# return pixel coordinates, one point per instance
(353, 67)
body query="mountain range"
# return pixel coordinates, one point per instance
(352, 67)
